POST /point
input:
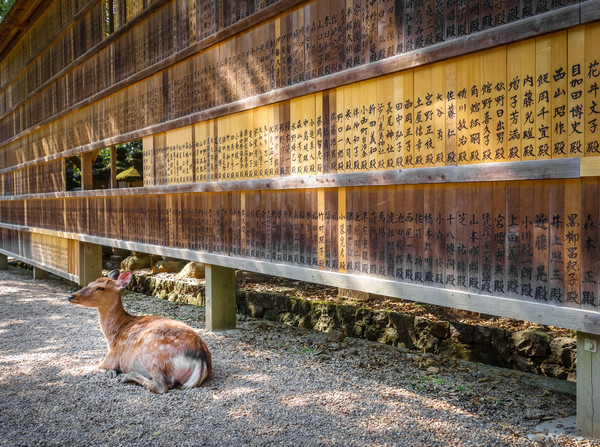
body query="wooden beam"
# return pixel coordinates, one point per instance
(507, 171)
(113, 167)
(39, 273)
(3, 262)
(588, 385)
(86, 171)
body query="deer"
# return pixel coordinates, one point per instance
(154, 351)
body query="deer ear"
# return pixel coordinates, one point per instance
(114, 274)
(124, 280)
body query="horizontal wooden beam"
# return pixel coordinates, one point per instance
(566, 317)
(490, 172)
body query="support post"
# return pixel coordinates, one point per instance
(90, 262)
(113, 167)
(87, 180)
(220, 298)
(3, 262)
(38, 273)
(588, 385)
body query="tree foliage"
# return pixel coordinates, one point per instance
(5, 6)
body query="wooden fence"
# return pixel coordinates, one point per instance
(445, 151)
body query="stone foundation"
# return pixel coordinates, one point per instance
(529, 350)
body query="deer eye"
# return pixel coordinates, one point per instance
(99, 288)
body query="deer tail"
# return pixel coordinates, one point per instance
(200, 363)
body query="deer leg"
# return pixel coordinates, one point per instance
(158, 385)
(110, 362)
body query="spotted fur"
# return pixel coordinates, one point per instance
(154, 351)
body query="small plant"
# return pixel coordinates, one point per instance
(307, 349)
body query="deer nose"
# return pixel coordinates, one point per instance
(71, 297)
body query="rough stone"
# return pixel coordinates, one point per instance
(136, 262)
(522, 363)
(428, 343)
(168, 267)
(440, 329)
(565, 350)
(531, 343)
(389, 336)
(336, 336)
(192, 269)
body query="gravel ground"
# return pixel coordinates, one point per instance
(271, 385)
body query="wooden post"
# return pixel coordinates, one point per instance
(3, 262)
(90, 262)
(220, 298)
(113, 167)
(38, 273)
(86, 171)
(588, 385)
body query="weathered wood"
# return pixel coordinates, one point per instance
(27, 260)
(588, 384)
(569, 318)
(90, 262)
(547, 22)
(3, 261)
(220, 302)
(38, 273)
(509, 171)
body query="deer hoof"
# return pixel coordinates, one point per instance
(111, 373)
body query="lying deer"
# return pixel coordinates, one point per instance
(156, 352)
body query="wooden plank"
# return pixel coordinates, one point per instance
(591, 78)
(105, 143)
(526, 207)
(571, 318)
(541, 242)
(341, 230)
(572, 243)
(536, 169)
(590, 243)
(575, 92)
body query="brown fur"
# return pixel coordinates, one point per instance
(154, 351)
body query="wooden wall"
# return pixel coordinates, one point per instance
(446, 151)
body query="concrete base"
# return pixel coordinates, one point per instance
(3, 262)
(588, 385)
(220, 298)
(38, 273)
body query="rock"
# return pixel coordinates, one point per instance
(242, 277)
(565, 350)
(270, 315)
(192, 270)
(427, 343)
(440, 329)
(522, 363)
(389, 337)
(336, 336)
(531, 343)
(168, 267)
(352, 351)
(136, 262)
(433, 370)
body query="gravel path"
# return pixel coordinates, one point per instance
(272, 385)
